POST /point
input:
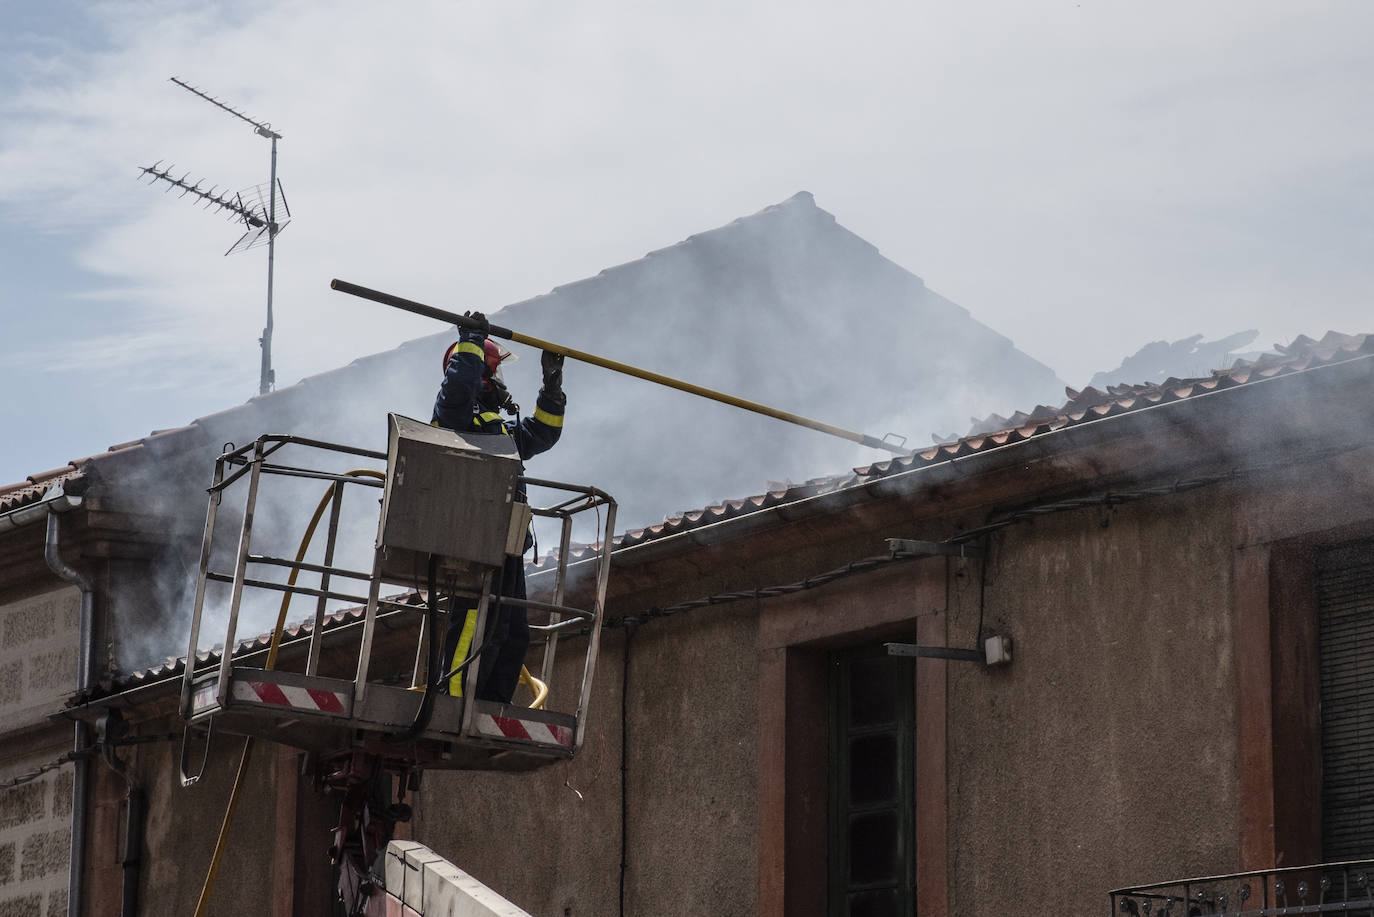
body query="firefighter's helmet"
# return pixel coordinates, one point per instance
(493, 355)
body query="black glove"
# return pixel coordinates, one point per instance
(552, 365)
(480, 326)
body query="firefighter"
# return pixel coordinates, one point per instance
(470, 399)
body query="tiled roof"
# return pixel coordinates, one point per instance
(990, 434)
(32, 488)
(208, 659)
(1090, 404)
(995, 431)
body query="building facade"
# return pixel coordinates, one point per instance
(1180, 570)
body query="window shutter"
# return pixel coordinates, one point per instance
(1345, 583)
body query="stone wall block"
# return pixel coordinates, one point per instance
(23, 906)
(45, 853)
(57, 903)
(6, 864)
(23, 804)
(28, 625)
(62, 794)
(53, 670)
(11, 682)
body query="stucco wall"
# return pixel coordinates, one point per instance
(183, 824)
(691, 821)
(1105, 755)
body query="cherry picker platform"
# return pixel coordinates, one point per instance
(452, 509)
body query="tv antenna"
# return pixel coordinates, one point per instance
(255, 207)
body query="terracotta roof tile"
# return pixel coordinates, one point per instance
(32, 488)
(209, 658)
(996, 431)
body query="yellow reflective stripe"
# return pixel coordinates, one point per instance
(469, 347)
(544, 417)
(460, 652)
(487, 417)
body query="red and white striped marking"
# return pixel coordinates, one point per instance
(311, 699)
(204, 697)
(508, 727)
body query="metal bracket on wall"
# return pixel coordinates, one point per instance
(995, 651)
(934, 652)
(909, 547)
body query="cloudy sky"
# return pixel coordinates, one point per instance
(1084, 177)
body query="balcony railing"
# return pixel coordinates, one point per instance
(1327, 888)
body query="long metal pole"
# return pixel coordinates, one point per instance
(265, 382)
(461, 321)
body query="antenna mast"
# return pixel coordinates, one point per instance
(258, 214)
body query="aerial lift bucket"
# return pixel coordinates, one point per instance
(450, 515)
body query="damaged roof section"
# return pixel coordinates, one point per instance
(994, 431)
(1081, 408)
(1091, 404)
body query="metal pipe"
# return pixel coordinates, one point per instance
(690, 388)
(133, 850)
(268, 377)
(312, 662)
(189, 676)
(559, 587)
(240, 566)
(85, 677)
(603, 572)
(324, 568)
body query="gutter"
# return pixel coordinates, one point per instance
(58, 499)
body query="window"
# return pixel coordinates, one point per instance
(872, 841)
(1345, 590)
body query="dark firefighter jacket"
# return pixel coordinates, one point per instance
(456, 405)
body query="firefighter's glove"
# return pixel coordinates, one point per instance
(552, 365)
(478, 328)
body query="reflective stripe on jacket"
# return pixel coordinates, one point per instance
(456, 406)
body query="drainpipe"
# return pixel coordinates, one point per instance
(110, 729)
(55, 503)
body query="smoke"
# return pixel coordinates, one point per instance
(1188, 358)
(785, 308)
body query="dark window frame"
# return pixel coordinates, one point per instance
(846, 730)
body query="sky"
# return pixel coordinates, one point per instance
(1083, 177)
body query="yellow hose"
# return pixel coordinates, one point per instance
(537, 688)
(271, 663)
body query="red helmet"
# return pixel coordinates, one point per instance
(493, 355)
